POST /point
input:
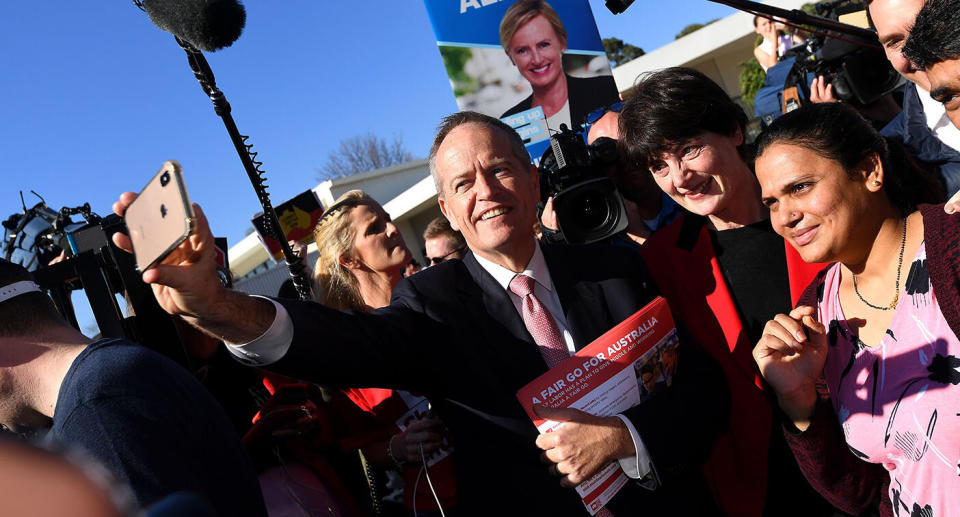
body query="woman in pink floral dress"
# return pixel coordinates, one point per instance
(879, 326)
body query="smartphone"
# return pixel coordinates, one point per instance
(161, 217)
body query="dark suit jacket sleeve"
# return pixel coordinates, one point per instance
(394, 347)
(680, 424)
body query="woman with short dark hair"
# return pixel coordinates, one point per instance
(724, 271)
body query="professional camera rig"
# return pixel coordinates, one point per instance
(849, 57)
(587, 204)
(38, 235)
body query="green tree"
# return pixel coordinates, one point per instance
(619, 52)
(693, 27)
(455, 61)
(751, 80)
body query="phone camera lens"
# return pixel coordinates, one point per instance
(164, 179)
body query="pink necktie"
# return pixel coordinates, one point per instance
(541, 325)
(539, 322)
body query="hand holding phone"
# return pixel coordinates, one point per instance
(161, 217)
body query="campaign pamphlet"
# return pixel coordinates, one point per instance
(420, 409)
(619, 370)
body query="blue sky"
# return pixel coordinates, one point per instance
(94, 97)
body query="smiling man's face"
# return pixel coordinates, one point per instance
(893, 19)
(945, 87)
(488, 193)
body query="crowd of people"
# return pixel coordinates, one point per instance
(812, 276)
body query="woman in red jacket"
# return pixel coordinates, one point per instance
(724, 271)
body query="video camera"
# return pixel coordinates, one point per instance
(37, 236)
(585, 199)
(849, 57)
(859, 74)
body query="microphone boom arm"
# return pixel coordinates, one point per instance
(201, 69)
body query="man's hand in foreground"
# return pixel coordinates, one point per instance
(583, 444)
(186, 284)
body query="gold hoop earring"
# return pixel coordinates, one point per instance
(876, 183)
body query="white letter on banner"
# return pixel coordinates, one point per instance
(468, 3)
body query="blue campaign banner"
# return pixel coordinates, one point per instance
(519, 84)
(476, 23)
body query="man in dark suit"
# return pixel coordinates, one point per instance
(455, 333)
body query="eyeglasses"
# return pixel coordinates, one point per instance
(596, 114)
(433, 261)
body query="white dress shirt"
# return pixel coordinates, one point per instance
(271, 346)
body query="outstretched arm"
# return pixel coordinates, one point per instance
(186, 284)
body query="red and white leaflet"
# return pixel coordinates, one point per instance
(420, 409)
(619, 370)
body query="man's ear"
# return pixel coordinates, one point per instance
(443, 210)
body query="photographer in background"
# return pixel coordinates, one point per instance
(109, 396)
(775, 41)
(922, 126)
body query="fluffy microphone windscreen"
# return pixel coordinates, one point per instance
(206, 24)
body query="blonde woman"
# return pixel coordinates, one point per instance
(534, 39)
(362, 258)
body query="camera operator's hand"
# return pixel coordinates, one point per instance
(953, 204)
(548, 218)
(821, 90)
(185, 283)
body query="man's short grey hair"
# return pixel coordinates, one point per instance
(451, 122)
